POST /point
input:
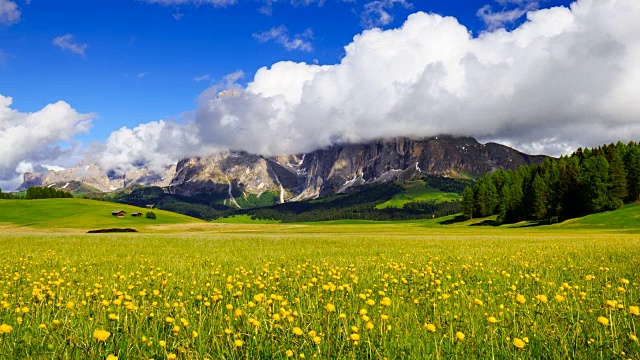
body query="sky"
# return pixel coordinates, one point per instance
(135, 82)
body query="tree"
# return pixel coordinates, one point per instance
(540, 198)
(151, 215)
(485, 197)
(594, 180)
(467, 202)
(617, 180)
(632, 167)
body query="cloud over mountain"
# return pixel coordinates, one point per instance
(567, 77)
(27, 138)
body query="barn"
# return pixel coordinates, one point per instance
(118, 213)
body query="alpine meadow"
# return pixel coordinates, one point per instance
(366, 179)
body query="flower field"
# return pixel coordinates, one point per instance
(510, 295)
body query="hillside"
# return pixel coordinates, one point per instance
(80, 214)
(418, 191)
(627, 217)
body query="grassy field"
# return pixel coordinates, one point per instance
(79, 214)
(339, 290)
(417, 191)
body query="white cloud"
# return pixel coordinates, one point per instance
(142, 74)
(494, 20)
(377, 13)
(9, 12)
(280, 35)
(69, 43)
(567, 77)
(205, 77)
(27, 138)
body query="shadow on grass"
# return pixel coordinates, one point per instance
(455, 220)
(486, 223)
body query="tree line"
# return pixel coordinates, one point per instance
(8, 196)
(585, 182)
(40, 192)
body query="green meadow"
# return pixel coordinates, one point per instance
(49, 214)
(240, 289)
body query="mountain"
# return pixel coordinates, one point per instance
(91, 174)
(241, 180)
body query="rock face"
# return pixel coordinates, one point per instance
(91, 174)
(301, 176)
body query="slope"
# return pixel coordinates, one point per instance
(80, 214)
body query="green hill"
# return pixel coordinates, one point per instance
(80, 214)
(627, 217)
(417, 191)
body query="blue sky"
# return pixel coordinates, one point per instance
(134, 82)
(139, 62)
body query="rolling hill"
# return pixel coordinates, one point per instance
(80, 214)
(418, 191)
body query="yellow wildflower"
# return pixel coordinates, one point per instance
(101, 335)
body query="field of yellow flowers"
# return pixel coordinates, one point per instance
(325, 296)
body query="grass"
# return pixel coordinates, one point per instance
(417, 191)
(628, 217)
(79, 214)
(332, 295)
(338, 290)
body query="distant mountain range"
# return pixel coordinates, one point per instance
(241, 180)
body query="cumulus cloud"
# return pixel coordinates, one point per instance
(69, 43)
(9, 12)
(280, 35)
(34, 138)
(566, 77)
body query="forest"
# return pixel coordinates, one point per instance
(585, 182)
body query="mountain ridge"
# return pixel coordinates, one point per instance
(335, 169)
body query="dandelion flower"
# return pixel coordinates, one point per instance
(354, 337)
(518, 343)
(330, 308)
(5, 329)
(492, 320)
(297, 331)
(112, 357)
(101, 335)
(603, 320)
(238, 342)
(635, 310)
(289, 353)
(521, 299)
(460, 336)
(542, 298)
(430, 327)
(559, 298)
(632, 337)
